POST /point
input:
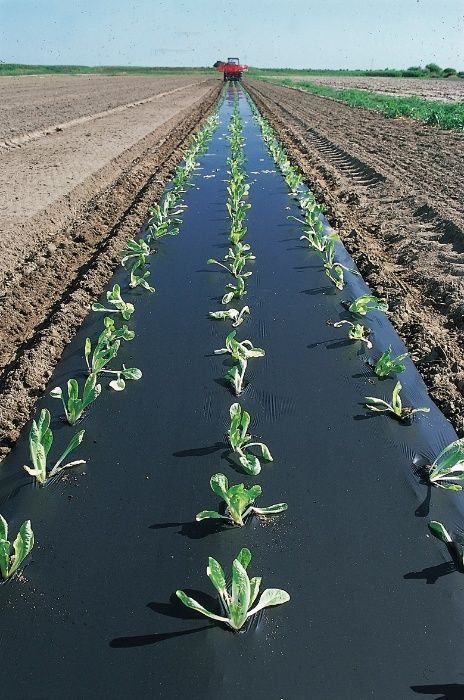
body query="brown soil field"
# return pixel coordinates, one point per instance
(33, 103)
(394, 193)
(445, 90)
(82, 159)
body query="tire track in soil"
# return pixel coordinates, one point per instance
(405, 231)
(43, 310)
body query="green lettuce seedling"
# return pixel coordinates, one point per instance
(22, 546)
(237, 233)
(236, 375)
(107, 345)
(137, 280)
(293, 180)
(123, 374)
(237, 190)
(119, 305)
(163, 221)
(239, 501)
(135, 250)
(75, 406)
(448, 467)
(356, 331)
(367, 303)
(40, 442)
(308, 204)
(237, 603)
(314, 232)
(386, 364)
(439, 530)
(233, 314)
(240, 441)
(235, 268)
(396, 407)
(236, 291)
(239, 349)
(334, 271)
(240, 250)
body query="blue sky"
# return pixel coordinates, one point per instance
(300, 33)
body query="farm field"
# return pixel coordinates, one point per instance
(39, 103)
(394, 190)
(429, 88)
(123, 541)
(68, 196)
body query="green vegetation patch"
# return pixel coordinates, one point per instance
(446, 115)
(29, 69)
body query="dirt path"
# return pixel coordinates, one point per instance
(430, 89)
(394, 191)
(70, 201)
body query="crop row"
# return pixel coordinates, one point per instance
(447, 469)
(164, 220)
(239, 603)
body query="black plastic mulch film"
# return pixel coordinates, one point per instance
(376, 604)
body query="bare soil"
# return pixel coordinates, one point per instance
(444, 90)
(71, 199)
(32, 103)
(394, 193)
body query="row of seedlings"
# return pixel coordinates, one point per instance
(239, 603)
(163, 220)
(447, 470)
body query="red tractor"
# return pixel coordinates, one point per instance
(232, 69)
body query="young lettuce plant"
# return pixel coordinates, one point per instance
(233, 314)
(314, 232)
(107, 345)
(236, 375)
(367, 303)
(237, 233)
(235, 268)
(396, 407)
(386, 364)
(238, 603)
(439, 530)
(137, 280)
(235, 291)
(239, 502)
(119, 306)
(308, 204)
(237, 190)
(22, 547)
(133, 250)
(119, 383)
(75, 406)
(448, 467)
(163, 221)
(239, 349)
(40, 442)
(135, 256)
(335, 271)
(242, 250)
(240, 441)
(356, 331)
(293, 180)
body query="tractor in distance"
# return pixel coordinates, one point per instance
(232, 70)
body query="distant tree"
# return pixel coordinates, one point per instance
(449, 71)
(433, 68)
(461, 74)
(414, 72)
